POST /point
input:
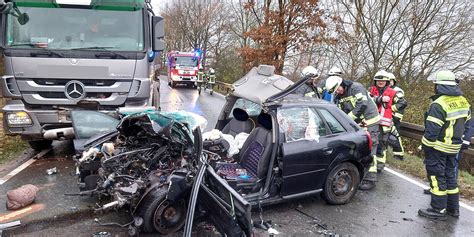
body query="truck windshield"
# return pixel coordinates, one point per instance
(75, 28)
(187, 61)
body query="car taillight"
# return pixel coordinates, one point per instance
(369, 140)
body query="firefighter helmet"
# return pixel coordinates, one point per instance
(211, 71)
(391, 76)
(335, 71)
(332, 83)
(382, 75)
(445, 77)
(310, 71)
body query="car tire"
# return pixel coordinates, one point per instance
(156, 212)
(40, 145)
(341, 184)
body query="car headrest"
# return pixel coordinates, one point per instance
(265, 120)
(240, 114)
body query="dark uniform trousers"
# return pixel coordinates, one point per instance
(441, 171)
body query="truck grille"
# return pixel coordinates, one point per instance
(61, 95)
(62, 82)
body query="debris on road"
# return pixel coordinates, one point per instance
(8, 225)
(407, 219)
(52, 171)
(102, 234)
(21, 197)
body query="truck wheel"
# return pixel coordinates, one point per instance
(40, 144)
(341, 184)
(161, 215)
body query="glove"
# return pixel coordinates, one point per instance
(385, 99)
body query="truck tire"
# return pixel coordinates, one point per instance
(161, 215)
(40, 145)
(341, 184)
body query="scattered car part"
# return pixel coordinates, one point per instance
(21, 197)
(52, 171)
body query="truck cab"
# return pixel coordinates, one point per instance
(75, 55)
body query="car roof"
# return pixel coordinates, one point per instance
(298, 100)
(260, 84)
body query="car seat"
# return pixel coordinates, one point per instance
(254, 156)
(240, 123)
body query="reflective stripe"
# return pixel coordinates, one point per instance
(398, 115)
(435, 190)
(373, 120)
(447, 148)
(353, 117)
(426, 142)
(464, 113)
(435, 120)
(452, 191)
(373, 167)
(360, 96)
(449, 133)
(382, 159)
(400, 153)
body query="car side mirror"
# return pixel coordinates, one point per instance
(158, 33)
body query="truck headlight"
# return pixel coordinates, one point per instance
(19, 118)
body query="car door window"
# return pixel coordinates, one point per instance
(300, 123)
(253, 109)
(332, 122)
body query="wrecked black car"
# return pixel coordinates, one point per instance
(297, 146)
(270, 145)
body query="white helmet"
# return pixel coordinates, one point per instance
(382, 75)
(211, 71)
(444, 77)
(335, 71)
(391, 76)
(310, 71)
(332, 83)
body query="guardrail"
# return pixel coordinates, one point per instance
(226, 87)
(415, 131)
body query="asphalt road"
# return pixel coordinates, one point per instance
(389, 210)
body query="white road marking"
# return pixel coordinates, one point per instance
(423, 186)
(16, 171)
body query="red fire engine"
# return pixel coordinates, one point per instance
(183, 67)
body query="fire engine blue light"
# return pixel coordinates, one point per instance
(197, 52)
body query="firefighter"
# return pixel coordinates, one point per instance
(445, 124)
(355, 101)
(211, 80)
(398, 109)
(200, 78)
(383, 96)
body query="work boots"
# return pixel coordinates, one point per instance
(453, 205)
(434, 214)
(368, 182)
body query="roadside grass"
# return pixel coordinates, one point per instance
(11, 149)
(413, 165)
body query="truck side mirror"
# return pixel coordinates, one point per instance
(158, 33)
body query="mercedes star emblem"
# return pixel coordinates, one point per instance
(75, 90)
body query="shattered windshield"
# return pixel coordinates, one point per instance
(300, 123)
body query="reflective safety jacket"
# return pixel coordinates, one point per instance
(200, 76)
(384, 108)
(399, 103)
(357, 103)
(446, 120)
